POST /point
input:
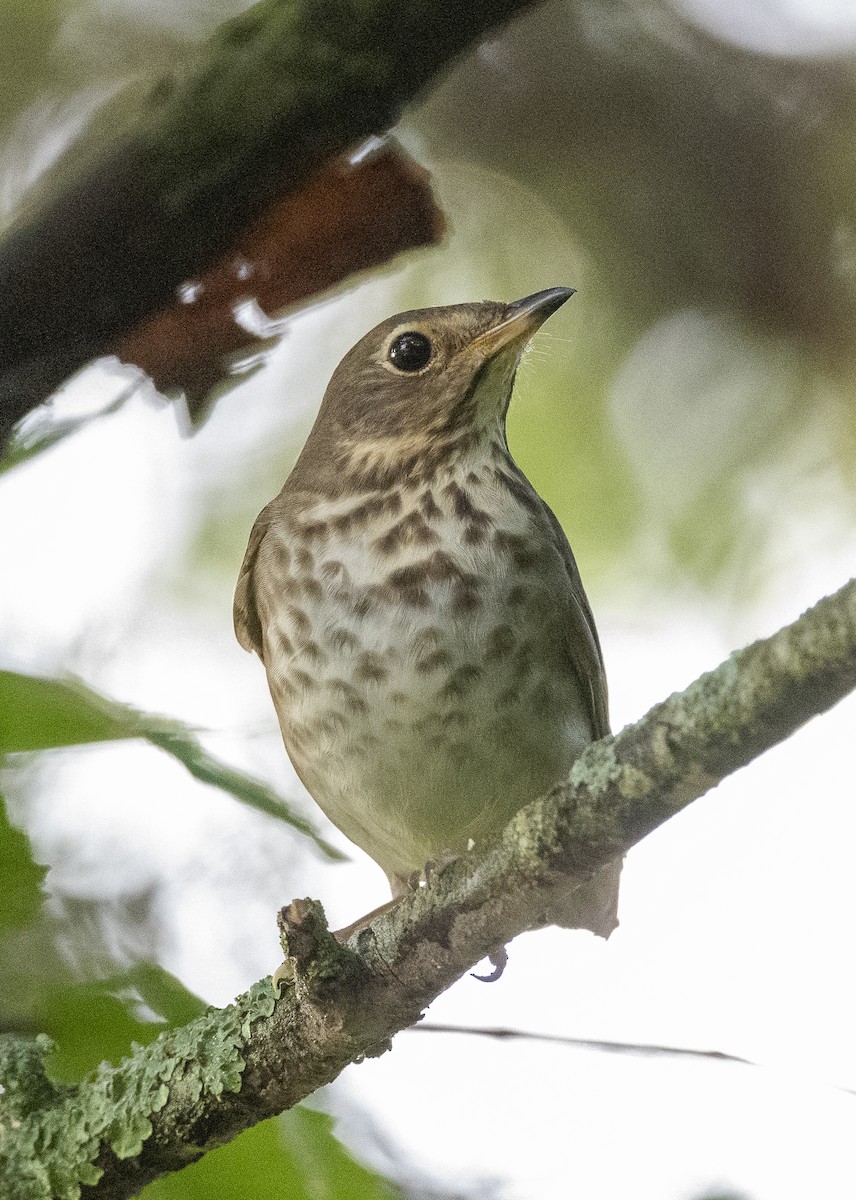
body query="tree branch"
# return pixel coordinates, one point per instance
(198, 1086)
(276, 92)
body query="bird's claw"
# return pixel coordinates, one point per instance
(499, 959)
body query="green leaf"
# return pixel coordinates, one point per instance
(252, 792)
(39, 714)
(43, 714)
(100, 1021)
(20, 877)
(327, 1167)
(293, 1157)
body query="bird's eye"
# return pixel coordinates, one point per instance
(410, 351)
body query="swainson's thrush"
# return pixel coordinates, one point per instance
(428, 644)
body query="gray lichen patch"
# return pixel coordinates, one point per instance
(114, 1109)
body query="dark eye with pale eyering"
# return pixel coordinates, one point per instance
(410, 351)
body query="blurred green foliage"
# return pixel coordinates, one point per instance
(293, 1157)
(695, 176)
(21, 893)
(42, 714)
(27, 31)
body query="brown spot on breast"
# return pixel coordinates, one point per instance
(400, 592)
(542, 699)
(426, 640)
(310, 587)
(334, 570)
(517, 595)
(302, 679)
(280, 555)
(432, 661)
(413, 575)
(281, 690)
(350, 696)
(476, 520)
(299, 620)
(315, 530)
(456, 718)
(441, 566)
(427, 650)
(305, 559)
(459, 681)
(313, 651)
(409, 531)
(383, 503)
(342, 639)
(467, 674)
(519, 548)
(370, 667)
(465, 599)
(407, 584)
(297, 737)
(474, 532)
(500, 641)
(282, 643)
(429, 506)
(524, 660)
(332, 723)
(462, 505)
(521, 490)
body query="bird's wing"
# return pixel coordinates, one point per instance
(245, 613)
(582, 642)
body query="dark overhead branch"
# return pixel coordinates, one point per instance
(277, 91)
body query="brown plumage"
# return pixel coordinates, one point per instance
(428, 643)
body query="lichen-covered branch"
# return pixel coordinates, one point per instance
(198, 1086)
(280, 89)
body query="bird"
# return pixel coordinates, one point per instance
(429, 648)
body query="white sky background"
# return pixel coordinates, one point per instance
(736, 918)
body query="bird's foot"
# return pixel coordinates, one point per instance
(499, 960)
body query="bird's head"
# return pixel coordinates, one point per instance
(423, 385)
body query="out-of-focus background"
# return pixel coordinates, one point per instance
(688, 166)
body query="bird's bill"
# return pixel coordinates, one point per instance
(523, 318)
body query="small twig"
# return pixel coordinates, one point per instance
(504, 1033)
